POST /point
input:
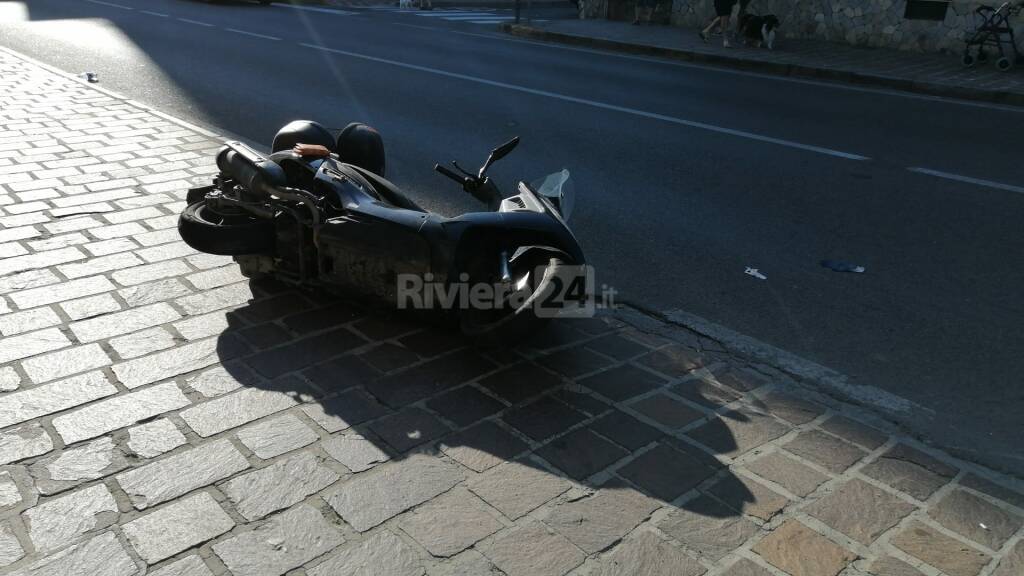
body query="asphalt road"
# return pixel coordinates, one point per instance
(685, 175)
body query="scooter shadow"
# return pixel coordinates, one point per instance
(402, 387)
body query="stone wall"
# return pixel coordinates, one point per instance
(857, 22)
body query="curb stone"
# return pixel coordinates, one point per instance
(777, 68)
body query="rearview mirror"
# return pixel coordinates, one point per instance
(499, 153)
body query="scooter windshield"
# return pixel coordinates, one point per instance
(557, 187)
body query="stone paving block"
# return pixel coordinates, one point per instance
(596, 522)
(531, 549)
(464, 406)
(34, 319)
(667, 411)
(483, 446)
(152, 292)
(206, 325)
(543, 418)
(520, 382)
(99, 265)
(235, 409)
(354, 451)
(910, 471)
(516, 488)
(102, 555)
(142, 342)
(861, 511)
(286, 541)
(345, 410)
(889, 566)
(55, 397)
(73, 466)
(305, 352)
(152, 439)
(60, 521)
(209, 300)
(366, 500)
(119, 411)
(800, 551)
(787, 472)
(673, 361)
(177, 527)
(383, 553)
(947, 554)
(90, 306)
(647, 554)
(276, 436)
(9, 379)
(218, 380)
(450, 523)
(24, 442)
(574, 362)
(623, 382)
(705, 393)
(994, 490)
(285, 482)
(1013, 563)
(975, 519)
(409, 428)
(790, 408)
(625, 430)
(38, 259)
(826, 451)
(748, 496)
(468, 563)
(746, 568)
(387, 357)
(170, 363)
(70, 290)
(581, 453)
(26, 280)
(413, 384)
(617, 347)
(708, 528)
(665, 472)
(10, 549)
(25, 345)
(854, 432)
(9, 493)
(64, 362)
(737, 432)
(181, 473)
(187, 566)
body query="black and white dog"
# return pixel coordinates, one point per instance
(759, 29)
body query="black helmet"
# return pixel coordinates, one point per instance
(361, 145)
(302, 132)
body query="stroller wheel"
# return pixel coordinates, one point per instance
(967, 60)
(1004, 64)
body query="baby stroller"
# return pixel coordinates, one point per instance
(993, 29)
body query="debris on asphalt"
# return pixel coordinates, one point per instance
(91, 77)
(754, 272)
(840, 266)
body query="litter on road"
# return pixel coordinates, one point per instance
(91, 77)
(754, 272)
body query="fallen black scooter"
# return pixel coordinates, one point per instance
(317, 212)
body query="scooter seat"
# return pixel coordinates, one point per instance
(388, 191)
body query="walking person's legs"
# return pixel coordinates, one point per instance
(723, 10)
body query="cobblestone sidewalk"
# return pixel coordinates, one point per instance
(160, 415)
(935, 74)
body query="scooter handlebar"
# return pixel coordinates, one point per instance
(453, 175)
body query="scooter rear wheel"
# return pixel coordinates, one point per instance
(225, 234)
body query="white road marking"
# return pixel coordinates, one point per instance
(196, 22)
(264, 36)
(481, 17)
(111, 4)
(151, 13)
(596, 104)
(968, 180)
(315, 9)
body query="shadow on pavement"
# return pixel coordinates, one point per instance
(389, 387)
